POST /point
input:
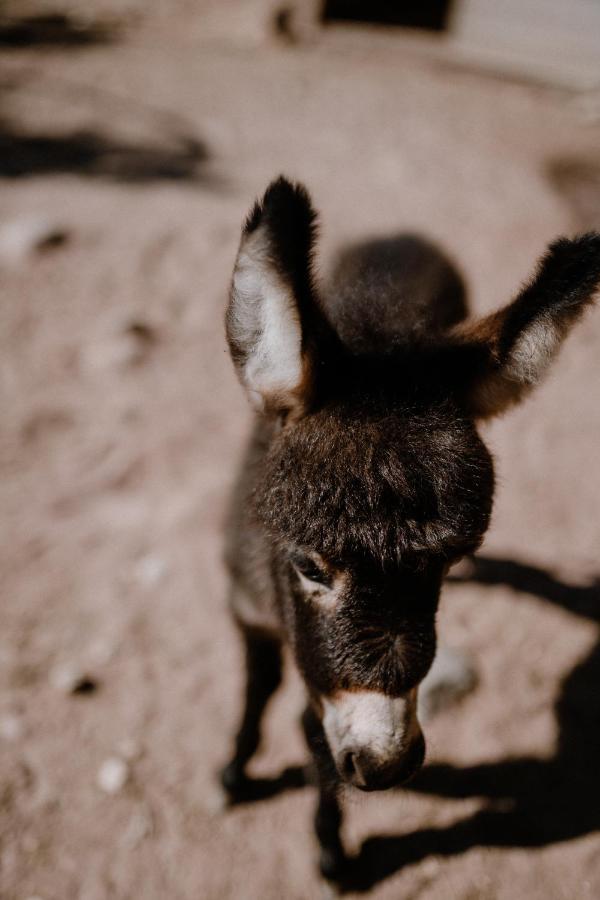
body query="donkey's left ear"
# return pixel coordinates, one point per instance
(273, 319)
(511, 350)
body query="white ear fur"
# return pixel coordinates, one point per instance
(525, 366)
(524, 337)
(264, 320)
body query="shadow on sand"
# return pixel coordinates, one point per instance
(52, 30)
(92, 154)
(290, 779)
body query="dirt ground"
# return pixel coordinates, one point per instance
(141, 148)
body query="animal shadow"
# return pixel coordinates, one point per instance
(255, 789)
(52, 30)
(529, 802)
(93, 154)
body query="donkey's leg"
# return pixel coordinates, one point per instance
(328, 817)
(263, 676)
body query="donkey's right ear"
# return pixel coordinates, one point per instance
(511, 350)
(273, 320)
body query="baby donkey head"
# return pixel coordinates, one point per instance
(370, 479)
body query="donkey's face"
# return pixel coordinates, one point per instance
(368, 500)
(375, 480)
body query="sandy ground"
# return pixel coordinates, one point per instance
(122, 423)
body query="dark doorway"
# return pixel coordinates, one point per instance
(430, 14)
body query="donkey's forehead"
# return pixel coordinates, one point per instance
(386, 486)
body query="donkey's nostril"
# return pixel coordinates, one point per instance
(349, 764)
(369, 772)
(352, 768)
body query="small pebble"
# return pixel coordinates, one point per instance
(70, 679)
(216, 801)
(113, 775)
(24, 236)
(150, 570)
(142, 331)
(11, 727)
(127, 346)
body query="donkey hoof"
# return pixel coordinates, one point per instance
(333, 866)
(233, 780)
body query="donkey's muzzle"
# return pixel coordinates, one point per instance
(364, 770)
(375, 740)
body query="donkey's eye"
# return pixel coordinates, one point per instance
(311, 570)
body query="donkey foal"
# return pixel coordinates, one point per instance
(365, 478)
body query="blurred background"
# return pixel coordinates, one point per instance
(134, 136)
